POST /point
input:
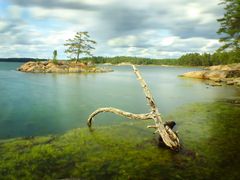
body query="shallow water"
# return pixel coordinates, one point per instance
(41, 104)
(208, 134)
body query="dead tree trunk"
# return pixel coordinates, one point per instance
(168, 136)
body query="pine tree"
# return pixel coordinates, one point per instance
(80, 44)
(230, 25)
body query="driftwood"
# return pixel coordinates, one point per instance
(168, 136)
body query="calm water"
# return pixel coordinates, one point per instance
(41, 104)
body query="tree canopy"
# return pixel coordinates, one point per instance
(80, 44)
(230, 25)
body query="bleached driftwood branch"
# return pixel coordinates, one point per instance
(119, 112)
(168, 136)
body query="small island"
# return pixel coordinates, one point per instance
(79, 44)
(61, 67)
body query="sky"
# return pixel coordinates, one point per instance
(145, 28)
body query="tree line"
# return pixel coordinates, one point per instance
(206, 59)
(191, 59)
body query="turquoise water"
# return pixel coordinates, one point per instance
(116, 148)
(42, 104)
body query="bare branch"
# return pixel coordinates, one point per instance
(163, 129)
(168, 136)
(119, 112)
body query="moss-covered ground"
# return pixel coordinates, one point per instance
(209, 134)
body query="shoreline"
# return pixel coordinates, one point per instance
(218, 75)
(163, 65)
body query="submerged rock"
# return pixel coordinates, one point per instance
(230, 82)
(60, 67)
(214, 84)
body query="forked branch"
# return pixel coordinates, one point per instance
(165, 131)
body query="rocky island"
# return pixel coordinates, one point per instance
(61, 67)
(228, 74)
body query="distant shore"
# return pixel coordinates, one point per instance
(161, 65)
(21, 60)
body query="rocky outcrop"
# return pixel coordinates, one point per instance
(195, 74)
(60, 67)
(224, 67)
(229, 74)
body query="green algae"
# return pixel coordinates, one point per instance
(208, 132)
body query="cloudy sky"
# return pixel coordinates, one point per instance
(147, 28)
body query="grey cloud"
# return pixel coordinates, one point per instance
(18, 34)
(54, 4)
(8, 27)
(117, 19)
(193, 29)
(126, 20)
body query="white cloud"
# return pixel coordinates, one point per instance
(3, 24)
(167, 41)
(15, 11)
(162, 45)
(130, 40)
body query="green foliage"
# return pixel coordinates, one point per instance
(127, 59)
(230, 25)
(80, 44)
(191, 59)
(55, 61)
(217, 58)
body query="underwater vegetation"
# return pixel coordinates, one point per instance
(208, 132)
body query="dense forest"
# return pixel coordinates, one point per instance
(128, 59)
(195, 59)
(191, 59)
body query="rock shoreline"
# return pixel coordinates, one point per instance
(228, 74)
(61, 67)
